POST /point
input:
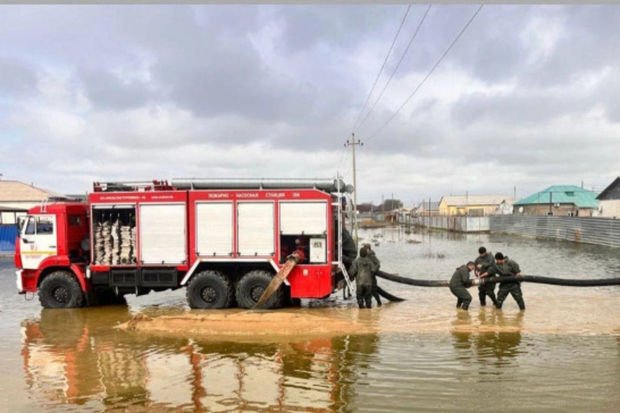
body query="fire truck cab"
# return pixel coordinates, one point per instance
(221, 239)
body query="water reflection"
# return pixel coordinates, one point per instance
(74, 357)
(494, 340)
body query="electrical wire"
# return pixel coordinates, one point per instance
(402, 57)
(372, 89)
(471, 19)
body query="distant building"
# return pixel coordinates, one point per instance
(474, 205)
(505, 207)
(427, 208)
(16, 198)
(566, 200)
(609, 200)
(400, 216)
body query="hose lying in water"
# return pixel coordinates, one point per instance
(525, 278)
(388, 296)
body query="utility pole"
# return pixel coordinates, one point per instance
(353, 143)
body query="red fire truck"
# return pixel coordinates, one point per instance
(221, 239)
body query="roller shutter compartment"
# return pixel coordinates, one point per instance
(163, 233)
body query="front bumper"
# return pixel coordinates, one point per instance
(18, 281)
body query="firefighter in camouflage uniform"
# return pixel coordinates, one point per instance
(459, 284)
(484, 262)
(505, 267)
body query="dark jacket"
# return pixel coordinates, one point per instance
(507, 269)
(362, 269)
(374, 259)
(349, 251)
(460, 278)
(486, 261)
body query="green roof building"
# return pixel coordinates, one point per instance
(564, 200)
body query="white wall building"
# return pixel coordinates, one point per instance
(609, 200)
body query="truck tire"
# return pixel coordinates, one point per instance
(251, 286)
(209, 289)
(60, 289)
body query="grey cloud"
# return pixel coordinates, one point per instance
(518, 108)
(338, 27)
(207, 82)
(111, 92)
(16, 78)
(589, 39)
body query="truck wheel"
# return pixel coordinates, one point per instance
(251, 286)
(209, 289)
(60, 289)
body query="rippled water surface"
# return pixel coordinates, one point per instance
(562, 354)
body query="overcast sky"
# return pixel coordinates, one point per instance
(528, 97)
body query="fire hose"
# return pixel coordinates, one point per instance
(388, 296)
(600, 282)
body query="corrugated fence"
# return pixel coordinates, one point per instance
(599, 231)
(8, 232)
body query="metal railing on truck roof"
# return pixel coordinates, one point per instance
(324, 184)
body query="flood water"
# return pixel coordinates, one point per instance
(561, 354)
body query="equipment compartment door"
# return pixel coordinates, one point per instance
(162, 233)
(303, 218)
(214, 229)
(256, 228)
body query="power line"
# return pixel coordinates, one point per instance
(402, 57)
(471, 19)
(372, 89)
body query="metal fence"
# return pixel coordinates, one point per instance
(454, 223)
(8, 232)
(599, 231)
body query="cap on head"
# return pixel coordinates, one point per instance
(499, 256)
(482, 250)
(471, 264)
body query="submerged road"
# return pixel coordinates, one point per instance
(562, 353)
